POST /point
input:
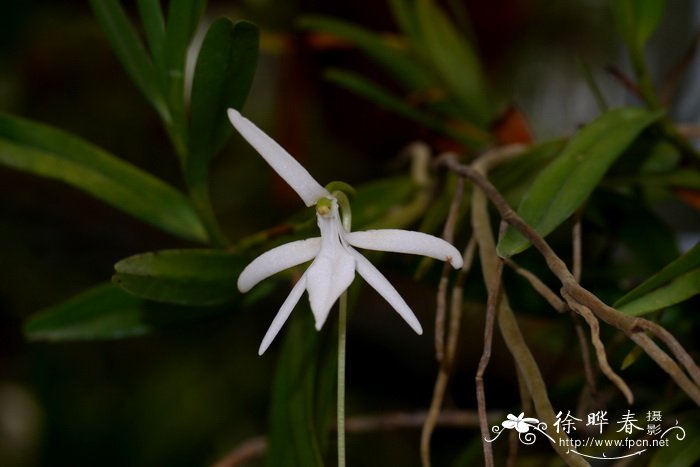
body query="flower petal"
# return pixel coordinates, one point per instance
(406, 241)
(283, 313)
(329, 275)
(276, 260)
(280, 160)
(509, 424)
(375, 278)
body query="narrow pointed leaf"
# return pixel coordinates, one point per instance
(684, 265)
(405, 15)
(154, 27)
(678, 290)
(106, 312)
(103, 312)
(48, 152)
(183, 18)
(570, 178)
(222, 79)
(182, 21)
(637, 19)
(185, 277)
(455, 59)
(374, 93)
(394, 60)
(130, 51)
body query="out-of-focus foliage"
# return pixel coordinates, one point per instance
(194, 388)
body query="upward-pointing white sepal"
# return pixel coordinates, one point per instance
(280, 160)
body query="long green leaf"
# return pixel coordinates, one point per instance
(185, 277)
(154, 27)
(130, 51)
(455, 60)
(394, 60)
(637, 19)
(183, 18)
(372, 92)
(678, 290)
(405, 15)
(677, 272)
(222, 79)
(105, 312)
(42, 150)
(567, 181)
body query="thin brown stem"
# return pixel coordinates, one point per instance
(577, 270)
(507, 324)
(494, 295)
(670, 82)
(252, 448)
(624, 80)
(448, 235)
(629, 325)
(443, 375)
(600, 348)
(539, 286)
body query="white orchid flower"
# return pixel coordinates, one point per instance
(334, 258)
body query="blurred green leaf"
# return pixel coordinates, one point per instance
(637, 19)
(130, 51)
(103, 312)
(222, 79)
(516, 174)
(372, 92)
(568, 180)
(455, 61)
(682, 452)
(183, 18)
(674, 283)
(185, 277)
(678, 290)
(302, 395)
(42, 150)
(394, 60)
(405, 15)
(374, 200)
(106, 312)
(154, 27)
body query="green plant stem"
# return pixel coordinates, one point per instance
(342, 337)
(199, 195)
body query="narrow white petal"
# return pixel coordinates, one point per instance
(283, 314)
(276, 260)
(328, 276)
(375, 278)
(406, 241)
(280, 160)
